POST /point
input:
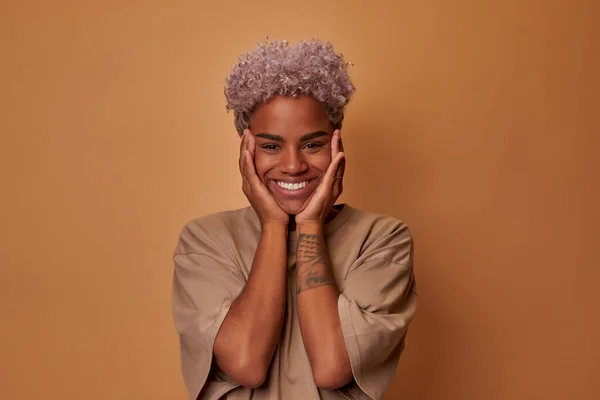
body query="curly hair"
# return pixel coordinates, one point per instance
(272, 68)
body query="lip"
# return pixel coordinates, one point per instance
(296, 194)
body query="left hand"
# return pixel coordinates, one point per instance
(328, 190)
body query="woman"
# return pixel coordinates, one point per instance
(293, 297)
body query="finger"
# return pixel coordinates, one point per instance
(335, 148)
(245, 184)
(338, 184)
(253, 185)
(325, 188)
(342, 166)
(330, 174)
(249, 170)
(335, 143)
(249, 167)
(243, 163)
(243, 141)
(251, 144)
(242, 147)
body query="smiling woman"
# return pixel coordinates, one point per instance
(294, 296)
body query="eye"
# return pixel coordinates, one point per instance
(270, 146)
(313, 145)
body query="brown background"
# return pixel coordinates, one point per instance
(476, 122)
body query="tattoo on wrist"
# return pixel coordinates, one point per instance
(310, 260)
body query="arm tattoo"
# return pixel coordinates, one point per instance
(310, 260)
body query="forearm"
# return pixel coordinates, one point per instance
(318, 311)
(249, 334)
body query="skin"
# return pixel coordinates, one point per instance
(291, 140)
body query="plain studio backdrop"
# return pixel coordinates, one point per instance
(476, 122)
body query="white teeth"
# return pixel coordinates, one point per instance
(292, 186)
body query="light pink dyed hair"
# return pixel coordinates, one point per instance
(272, 68)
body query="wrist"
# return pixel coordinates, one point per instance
(274, 227)
(313, 227)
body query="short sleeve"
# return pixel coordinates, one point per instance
(205, 283)
(376, 305)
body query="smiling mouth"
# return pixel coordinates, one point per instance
(295, 190)
(292, 186)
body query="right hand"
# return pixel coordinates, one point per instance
(257, 193)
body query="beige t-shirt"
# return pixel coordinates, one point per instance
(372, 263)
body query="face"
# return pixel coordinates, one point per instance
(293, 148)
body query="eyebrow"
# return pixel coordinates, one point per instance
(279, 138)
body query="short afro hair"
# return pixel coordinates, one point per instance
(311, 68)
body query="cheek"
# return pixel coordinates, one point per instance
(321, 162)
(263, 163)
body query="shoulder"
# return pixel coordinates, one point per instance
(382, 236)
(379, 222)
(213, 231)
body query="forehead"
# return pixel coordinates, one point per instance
(290, 117)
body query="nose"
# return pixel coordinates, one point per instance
(292, 162)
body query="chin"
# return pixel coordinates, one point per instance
(292, 207)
